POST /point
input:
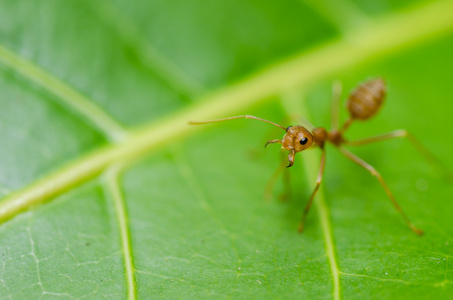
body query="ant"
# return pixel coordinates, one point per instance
(362, 104)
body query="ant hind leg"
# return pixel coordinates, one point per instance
(403, 133)
(378, 176)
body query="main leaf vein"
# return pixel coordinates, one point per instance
(380, 38)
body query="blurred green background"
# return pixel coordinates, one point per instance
(108, 193)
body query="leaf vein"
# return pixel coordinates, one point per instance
(186, 171)
(70, 97)
(311, 165)
(145, 51)
(113, 190)
(435, 284)
(343, 14)
(382, 37)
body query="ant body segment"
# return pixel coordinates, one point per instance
(363, 103)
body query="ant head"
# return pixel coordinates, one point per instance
(296, 139)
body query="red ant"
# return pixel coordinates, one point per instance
(363, 103)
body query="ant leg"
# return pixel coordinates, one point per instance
(310, 201)
(286, 184)
(402, 133)
(272, 142)
(234, 118)
(335, 109)
(376, 174)
(271, 183)
(383, 137)
(291, 157)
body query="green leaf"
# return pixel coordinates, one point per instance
(109, 193)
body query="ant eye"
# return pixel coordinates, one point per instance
(287, 128)
(303, 141)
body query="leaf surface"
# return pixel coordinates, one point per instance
(108, 193)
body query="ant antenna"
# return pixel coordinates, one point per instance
(237, 117)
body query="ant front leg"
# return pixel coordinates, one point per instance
(272, 142)
(378, 176)
(318, 183)
(272, 181)
(286, 195)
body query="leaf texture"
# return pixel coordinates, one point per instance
(109, 193)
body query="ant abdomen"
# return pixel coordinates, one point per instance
(365, 100)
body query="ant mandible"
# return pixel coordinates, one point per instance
(363, 103)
